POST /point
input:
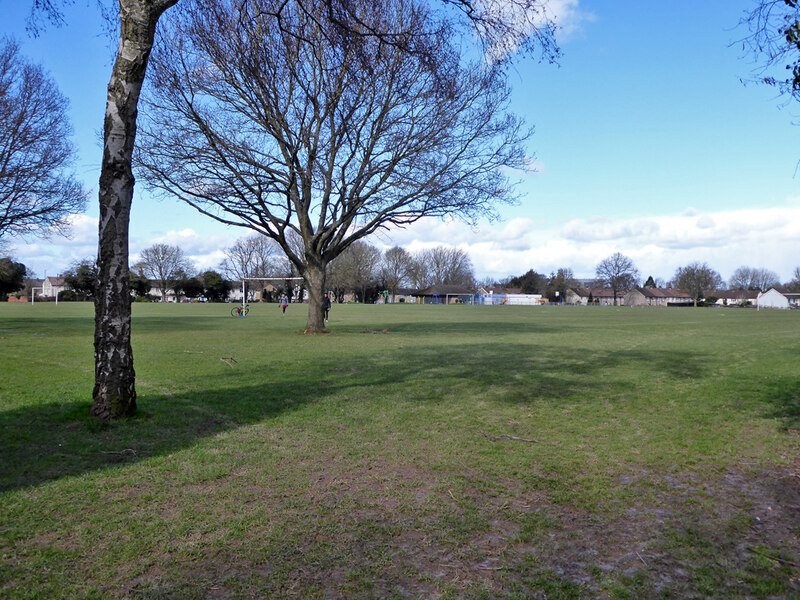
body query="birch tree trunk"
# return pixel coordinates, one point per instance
(114, 394)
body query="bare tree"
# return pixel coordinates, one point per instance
(774, 39)
(794, 284)
(449, 266)
(114, 394)
(298, 128)
(763, 279)
(618, 273)
(38, 191)
(419, 271)
(358, 268)
(254, 256)
(741, 278)
(748, 278)
(164, 265)
(504, 28)
(396, 266)
(443, 265)
(697, 279)
(251, 256)
(559, 282)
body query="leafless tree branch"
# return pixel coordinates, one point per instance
(294, 129)
(38, 191)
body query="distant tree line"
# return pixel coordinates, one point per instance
(367, 272)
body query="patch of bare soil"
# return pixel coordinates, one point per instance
(388, 530)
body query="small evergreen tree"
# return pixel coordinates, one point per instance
(12, 275)
(139, 284)
(82, 278)
(215, 288)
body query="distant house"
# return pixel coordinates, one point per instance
(734, 297)
(595, 296)
(577, 295)
(647, 296)
(53, 286)
(778, 297)
(155, 293)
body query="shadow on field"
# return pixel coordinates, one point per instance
(484, 329)
(784, 395)
(54, 440)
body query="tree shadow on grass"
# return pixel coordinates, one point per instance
(783, 394)
(437, 327)
(49, 441)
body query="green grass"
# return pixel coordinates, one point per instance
(264, 463)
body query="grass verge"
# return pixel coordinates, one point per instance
(467, 452)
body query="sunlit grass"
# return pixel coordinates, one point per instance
(497, 452)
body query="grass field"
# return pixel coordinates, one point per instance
(415, 452)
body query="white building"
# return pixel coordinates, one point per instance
(52, 286)
(778, 298)
(525, 299)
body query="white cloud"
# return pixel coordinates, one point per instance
(705, 222)
(524, 19)
(51, 256)
(657, 244)
(601, 228)
(204, 251)
(568, 16)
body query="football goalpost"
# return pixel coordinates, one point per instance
(465, 298)
(245, 279)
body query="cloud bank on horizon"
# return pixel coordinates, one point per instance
(658, 244)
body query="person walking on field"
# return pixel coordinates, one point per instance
(284, 303)
(326, 307)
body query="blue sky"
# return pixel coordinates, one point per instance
(646, 142)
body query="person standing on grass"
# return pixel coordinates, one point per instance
(326, 307)
(284, 303)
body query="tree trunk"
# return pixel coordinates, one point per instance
(114, 394)
(314, 276)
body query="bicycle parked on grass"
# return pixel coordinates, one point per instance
(240, 311)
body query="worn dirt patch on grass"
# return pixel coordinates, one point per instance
(392, 530)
